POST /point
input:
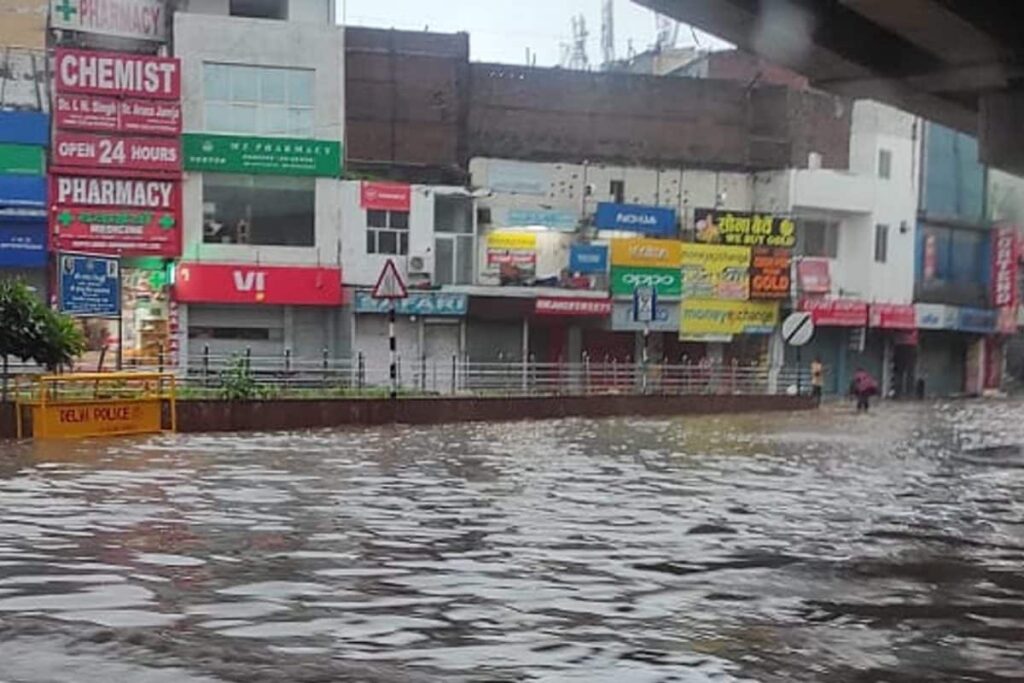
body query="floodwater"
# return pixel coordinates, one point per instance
(820, 547)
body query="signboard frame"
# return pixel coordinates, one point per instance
(110, 307)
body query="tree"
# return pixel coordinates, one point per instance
(31, 331)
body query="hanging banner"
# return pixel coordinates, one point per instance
(770, 274)
(704, 317)
(836, 312)
(715, 272)
(385, 196)
(814, 275)
(95, 113)
(109, 153)
(117, 74)
(128, 216)
(271, 156)
(138, 19)
(746, 229)
(646, 253)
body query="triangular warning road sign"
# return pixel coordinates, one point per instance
(389, 284)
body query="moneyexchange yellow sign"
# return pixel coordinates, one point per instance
(716, 272)
(96, 418)
(716, 317)
(646, 253)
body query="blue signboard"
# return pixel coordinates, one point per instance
(977, 320)
(556, 219)
(23, 191)
(430, 304)
(588, 258)
(90, 285)
(649, 220)
(23, 244)
(25, 128)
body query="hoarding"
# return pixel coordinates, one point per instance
(668, 282)
(770, 274)
(256, 155)
(588, 258)
(746, 229)
(836, 312)
(117, 74)
(649, 220)
(716, 272)
(707, 317)
(250, 284)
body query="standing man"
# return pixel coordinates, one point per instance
(817, 379)
(863, 387)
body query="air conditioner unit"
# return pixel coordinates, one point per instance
(417, 264)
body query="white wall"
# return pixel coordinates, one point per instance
(200, 39)
(360, 269)
(314, 11)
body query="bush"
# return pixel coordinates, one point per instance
(237, 382)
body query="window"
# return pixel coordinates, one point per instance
(881, 243)
(387, 232)
(884, 164)
(454, 243)
(235, 333)
(259, 9)
(617, 189)
(258, 100)
(258, 210)
(817, 238)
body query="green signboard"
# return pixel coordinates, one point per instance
(667, 281)
(270, 156)
(22, 160)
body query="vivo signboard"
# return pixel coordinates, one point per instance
(649, 220)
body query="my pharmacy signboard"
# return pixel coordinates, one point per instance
(139, 19)
(126, 216)
(267, 156)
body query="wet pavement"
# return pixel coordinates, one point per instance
(829, 547)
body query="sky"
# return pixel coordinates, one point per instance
(501, 31)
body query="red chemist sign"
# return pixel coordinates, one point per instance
(117, 74)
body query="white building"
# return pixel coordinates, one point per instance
(261, 250)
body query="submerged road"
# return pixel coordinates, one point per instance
(803, 547)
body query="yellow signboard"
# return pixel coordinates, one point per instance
(646, 253)
(703, 317)
(512, 239)
(716, 272)
(76, 420)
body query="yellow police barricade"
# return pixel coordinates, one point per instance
(86, 405)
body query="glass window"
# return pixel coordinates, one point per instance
(465, 256)
(884, 164)
(387, 232)
(817, 238)
(444, 261)
(263, 100)
(258, 210)
(881, 243)
(453, 214)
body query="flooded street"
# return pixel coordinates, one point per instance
(799, 547)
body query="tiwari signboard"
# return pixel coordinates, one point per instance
(139, 19)
(270, 156)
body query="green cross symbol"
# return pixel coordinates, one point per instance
(66, 218)
(167, 222)
(67, 9)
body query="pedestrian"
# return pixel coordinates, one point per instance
(817, 379)
(863, 387)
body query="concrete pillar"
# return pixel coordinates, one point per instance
(888, 351)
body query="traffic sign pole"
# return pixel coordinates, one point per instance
(393, 346)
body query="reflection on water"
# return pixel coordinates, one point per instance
(779, 548)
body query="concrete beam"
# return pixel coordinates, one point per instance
(1001, 130)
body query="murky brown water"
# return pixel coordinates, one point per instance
(782, 548)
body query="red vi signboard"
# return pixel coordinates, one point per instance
(127, 216)
(215, 283)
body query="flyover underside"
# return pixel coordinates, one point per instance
(957, 62)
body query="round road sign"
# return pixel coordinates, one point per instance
(798, 329)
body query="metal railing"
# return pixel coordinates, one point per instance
(208, 374)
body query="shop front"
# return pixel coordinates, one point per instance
(896, 325)
(269, 312)
(430, 335)
(841, 341)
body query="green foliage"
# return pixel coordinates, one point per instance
(29, 330)
(237, 382)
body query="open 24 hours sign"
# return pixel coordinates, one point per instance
(126, 216)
